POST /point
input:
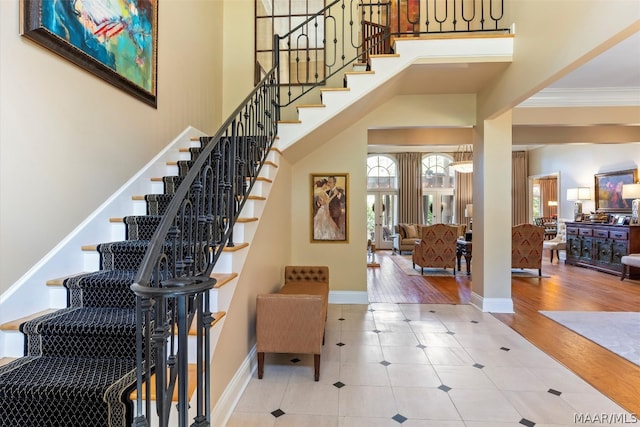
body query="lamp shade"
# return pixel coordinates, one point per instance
(552, 203)
(578, 193)
(631, 191)
(468, 210)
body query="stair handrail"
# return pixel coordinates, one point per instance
(173, 281)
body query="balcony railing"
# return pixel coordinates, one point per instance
(350, 31)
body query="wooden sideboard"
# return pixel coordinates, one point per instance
(601, 246)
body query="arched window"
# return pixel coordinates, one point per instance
(381, 172)
(436, 172)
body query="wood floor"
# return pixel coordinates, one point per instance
(567, 288)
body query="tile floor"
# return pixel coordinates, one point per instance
(421, 365)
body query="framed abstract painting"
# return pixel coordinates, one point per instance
(608, 189)
(116, 40)
(329, 208)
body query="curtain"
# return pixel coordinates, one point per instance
(548, 192)
(519, 187)
(464, 197)
(410, 188)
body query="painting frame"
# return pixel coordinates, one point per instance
(135, 74)
(608, 190)
(329, 210)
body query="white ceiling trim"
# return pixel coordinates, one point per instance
(585, 97)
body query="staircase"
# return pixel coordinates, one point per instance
(91, 331)
(80, 361)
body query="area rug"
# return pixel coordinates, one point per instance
(406, 265)
(618, 332)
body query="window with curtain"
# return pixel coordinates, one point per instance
(302, 55)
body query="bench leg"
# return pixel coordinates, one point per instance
(260, 364)
(551, 260)
(316, 367)
(625, 268)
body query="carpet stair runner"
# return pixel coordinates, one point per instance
(80, 361)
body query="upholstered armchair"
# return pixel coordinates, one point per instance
(558, 243)
(293, 320)
(526, 246)
(437, 247)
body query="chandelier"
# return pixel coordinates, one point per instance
(463, 159)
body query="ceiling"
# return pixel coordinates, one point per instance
(610, 79)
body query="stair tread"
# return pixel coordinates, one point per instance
(5, 360)
(216, 318)
(190, 389)
(359, 72)
(223, 278)
(237, 247)
(270, 163)
(14, 325)
(59, 281)
(246, 219)
(311, 106)
(335, 89)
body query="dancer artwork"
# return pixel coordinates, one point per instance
(329, 208)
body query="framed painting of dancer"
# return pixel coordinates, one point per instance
(329, 207)
(115, 40)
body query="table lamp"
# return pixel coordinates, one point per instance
(632, 191)
(577, 195)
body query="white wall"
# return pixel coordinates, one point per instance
(69, 139)
(577, 165)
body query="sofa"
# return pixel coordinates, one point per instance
(406, 235)
(293, 319)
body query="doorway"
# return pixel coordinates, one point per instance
(545, 193)
(437, 206)
(382, 213)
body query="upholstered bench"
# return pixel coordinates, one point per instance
(293, 319)
(632, 260)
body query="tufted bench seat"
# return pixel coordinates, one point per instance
(293, 319)
(632, 260)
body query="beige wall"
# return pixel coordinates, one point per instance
(237, 57)
(68, 139)
(347, 261)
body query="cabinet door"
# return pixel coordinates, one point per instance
(618, 250)
(603, 251)
(586, 249)
(573, 247)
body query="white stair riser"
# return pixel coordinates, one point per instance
(13, 343)
(311, 114)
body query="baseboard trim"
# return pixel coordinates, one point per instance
(231, 395)
(492, 305)
(348, 297)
